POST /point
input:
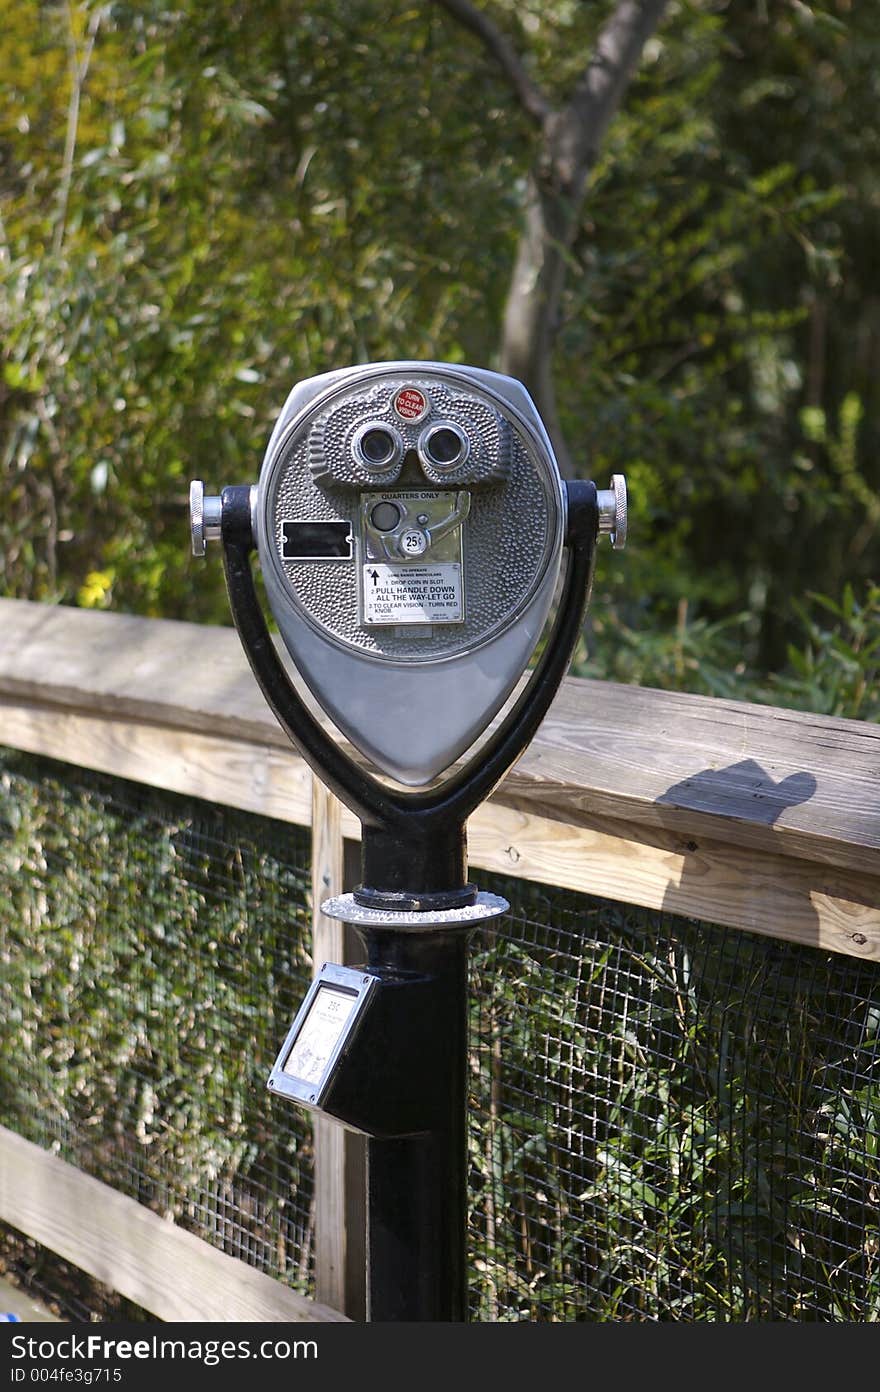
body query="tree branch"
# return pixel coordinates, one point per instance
(79, 67)
(500, 48)
(600, 89)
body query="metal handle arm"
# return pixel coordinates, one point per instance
(371, 801)
(365, 795)
(466, 789)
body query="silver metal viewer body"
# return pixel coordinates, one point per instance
(409, 520)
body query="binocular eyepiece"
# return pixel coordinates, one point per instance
(378, 449)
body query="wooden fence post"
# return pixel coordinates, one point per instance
(339, 1154)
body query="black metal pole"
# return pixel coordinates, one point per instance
(417, 1185)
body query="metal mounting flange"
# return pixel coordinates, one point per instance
(346, 908)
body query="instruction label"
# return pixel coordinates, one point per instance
(415, 594)
(321, 1032)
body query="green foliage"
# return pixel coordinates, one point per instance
(837, 670)
(227, 229)
(200, 205)
(698, 655)
(832, 666)
(713, 297)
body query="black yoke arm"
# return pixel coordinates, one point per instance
(376, 805)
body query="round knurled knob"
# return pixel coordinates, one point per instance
(197, 516)
(612, 511)
(204, 517)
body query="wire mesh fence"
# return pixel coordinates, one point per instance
(668, 1121)
(152, 953)
(673, 1121)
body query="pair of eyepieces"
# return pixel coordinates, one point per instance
(378, 447)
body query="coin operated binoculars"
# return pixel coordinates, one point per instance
(413, 532)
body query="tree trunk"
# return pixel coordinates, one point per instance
(570, 138)
(531, 316)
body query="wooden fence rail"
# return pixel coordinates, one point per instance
(746, 816)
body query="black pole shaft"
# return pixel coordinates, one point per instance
(417, 1185)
